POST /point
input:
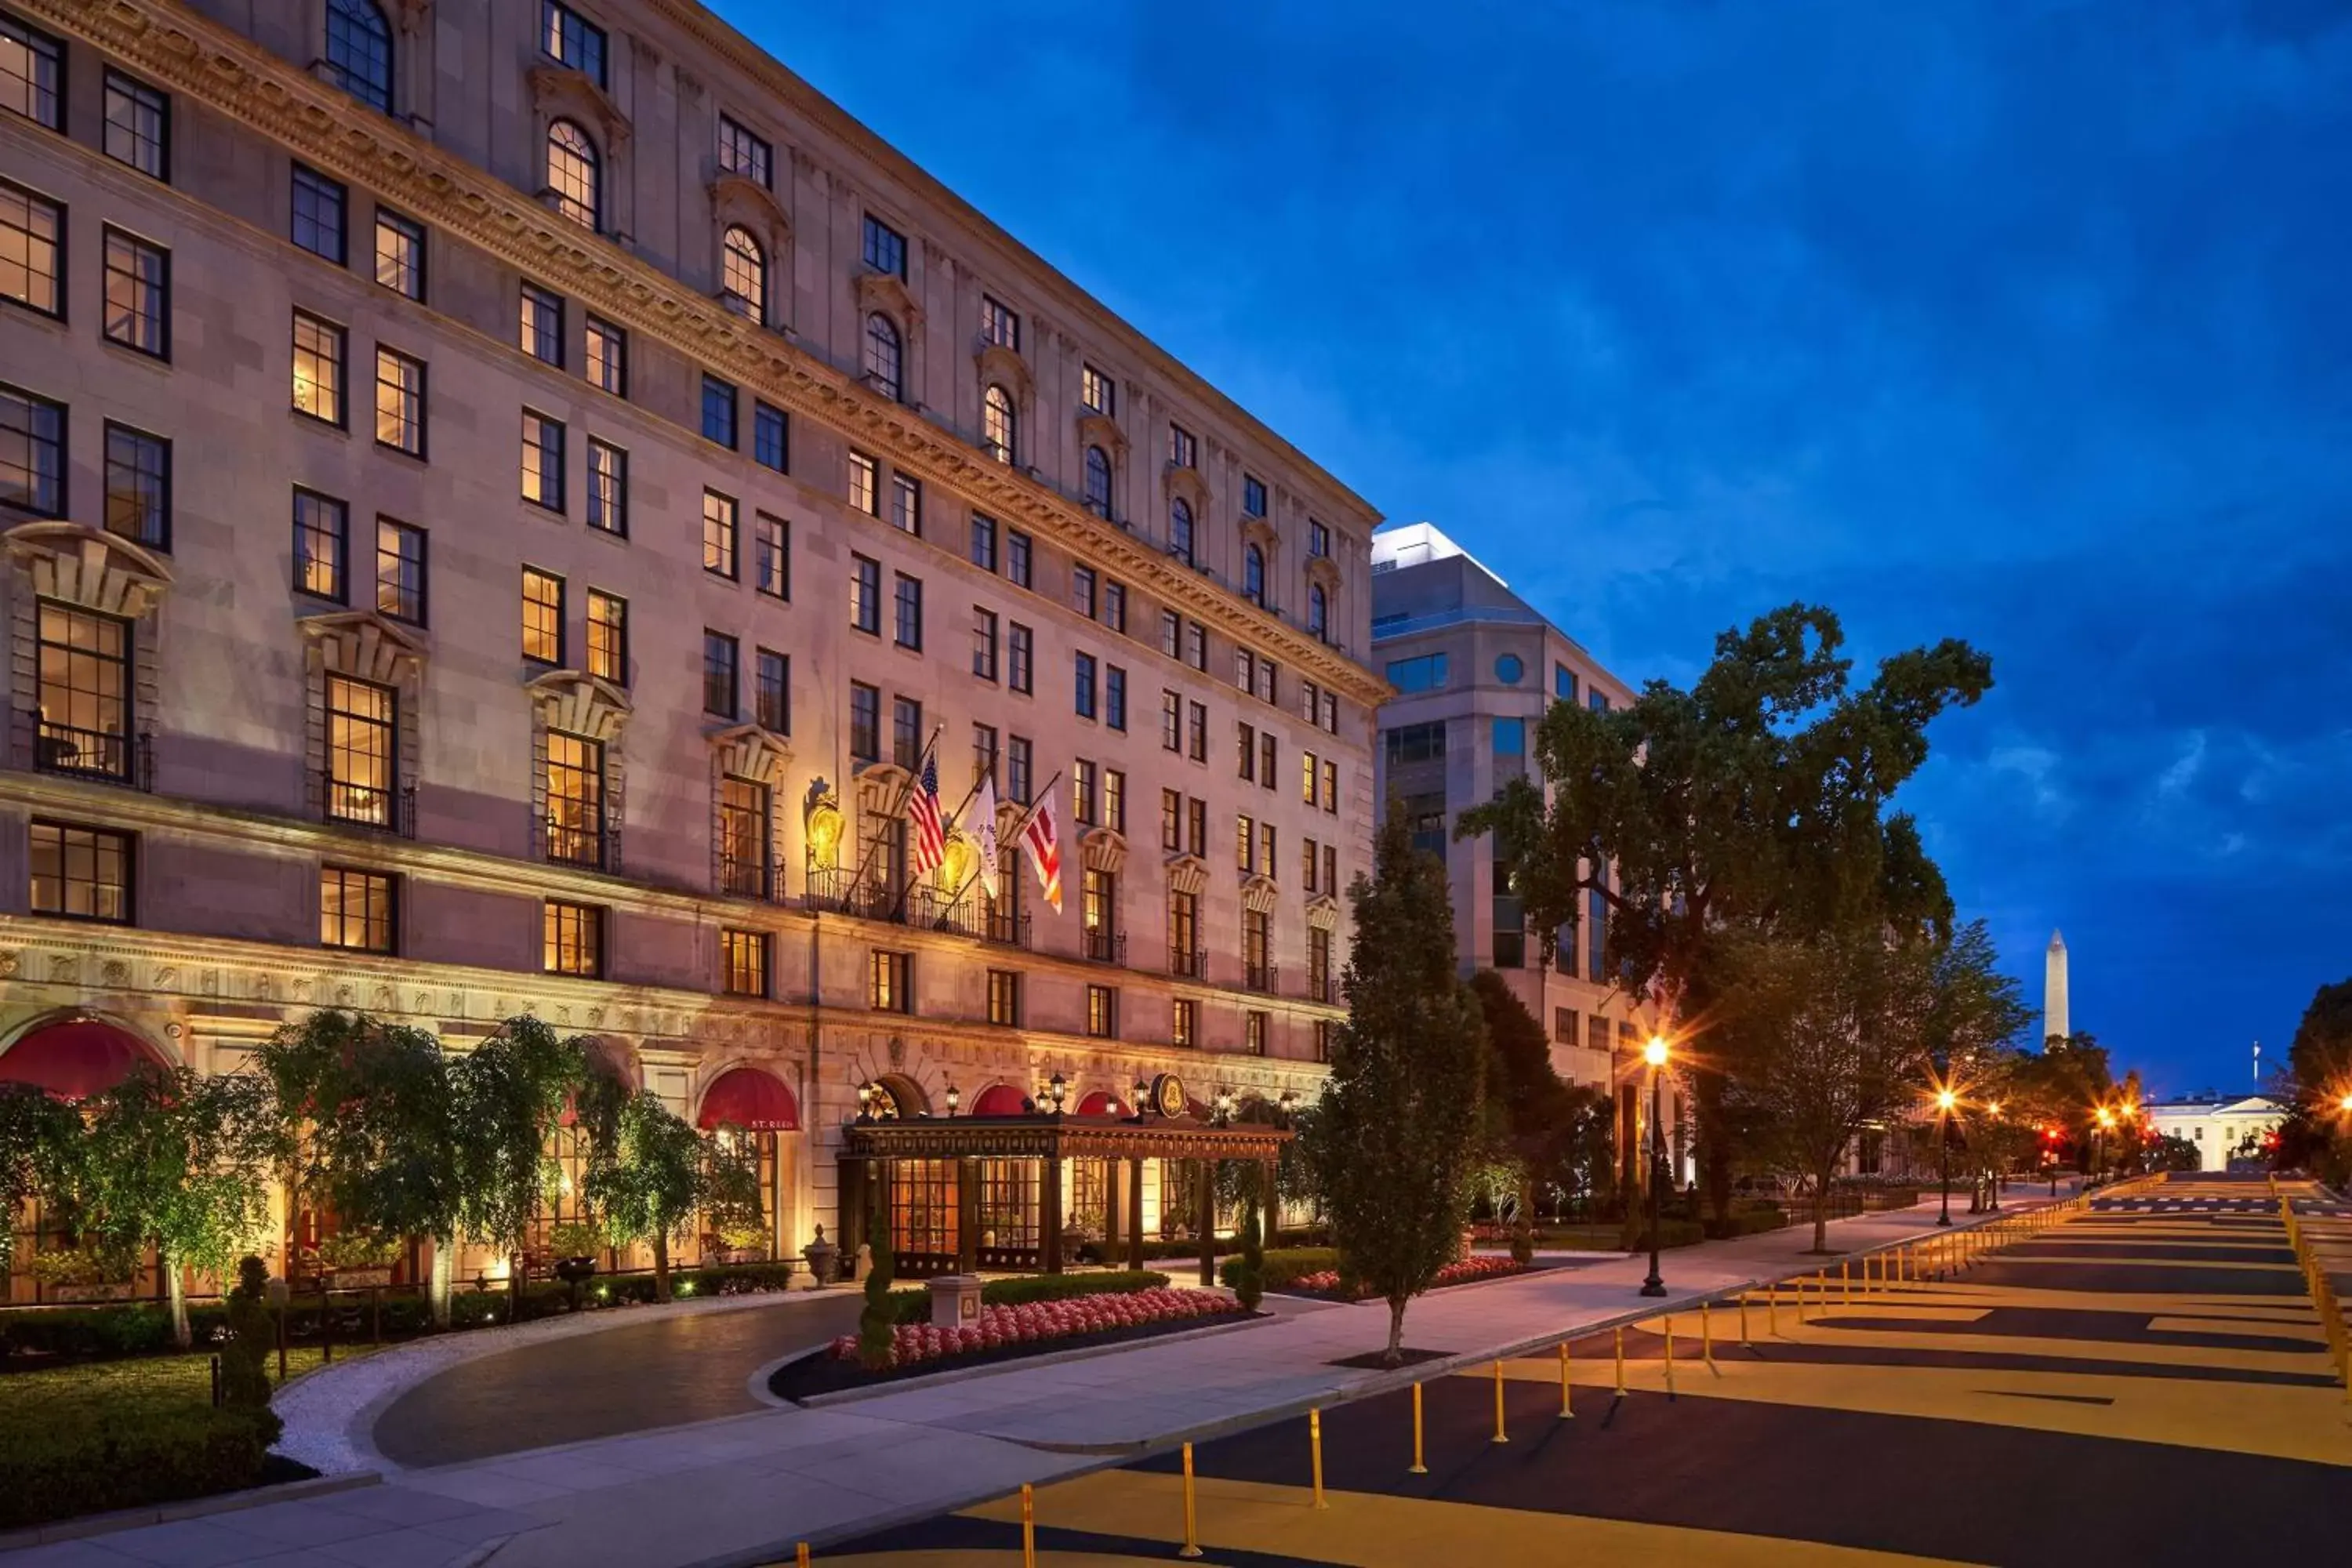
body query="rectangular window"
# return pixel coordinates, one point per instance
(1115, 606)
(83, 691)
(400, 571)
(1253, 496)
(742, 152)
(1021, 646)
(542, 325)
(543, 616)
(608, 637)
(1171, 821)
(1246, 843)
(608, 488)
(79, 873)
(575, 936)
(321, 536)
(399, 254)
(864, 723)
(575, 799)
(1017, 555)
(362, 778)
(1323, 1036)
(890, 982)
(1171, 722)
(718, 538)
(1245, 737)
(1196, 826)
(1171, 634)
(320, 204)
(1098, 914)
(1330, 787)
(1596, 700)
(886, 249)
(1196, 645)
(1183, 451)
(137, 294)
(865, 595)
(906, 630)
(1563, 683)
(744, 962)
(1331, 868)
(542, 460)
(1268, 861)
(1102, 1012)
(864, 484)
(1081, 591)
(1097, 392)
(137, 125)
(983, 643)
(1019, 767)
(1196, 732)
(32, 245)
(1083, 683)
(983, 542)
(608, 357)
(771, 438)
(1005, 997)
(318, 369)
(1114, 800)
(905, 733)
(743, 857)
(1424, 672)
(1596, 1032)
(1564, 1028)
(137, 485)
(719, 656)
(1114, 697)
(1306, 776)
(571, 40)
(358, 909)
(1596, 931)
(718, 411)
(906, 504)
(400, 402)
(1318, 539)
(1318, 963)
(771, 556)
(983, 754)
(999, 325)
(1254, 1033)
(32, 73)
(1409, 744)
(1265, 759)
(1184, 1023)
(772, 692)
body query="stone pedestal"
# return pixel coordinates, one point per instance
(955, 1300)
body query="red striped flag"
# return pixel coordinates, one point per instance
(1045, 846)
(923, 810)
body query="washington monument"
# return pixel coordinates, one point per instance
(2053, 989)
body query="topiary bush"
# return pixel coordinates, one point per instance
(1249, 1268)
(880, 1317)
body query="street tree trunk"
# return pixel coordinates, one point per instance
(445, 1266)
(661, 1266)
(1821, 1212)
(1394, 1355)
(178, 1287)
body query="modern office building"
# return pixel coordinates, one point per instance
(1474, 668)
(503, 500)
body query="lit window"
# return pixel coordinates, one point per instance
(741, 152)
(321, 531)
(359, 52)
(542, 325)
(771, 556)
(83, 691)
(400, 571)
(890, 981)
(543, 616)
(357, 909)
(1184, 1024)
(999, 424)
(542, 460)
(743, 274)
(743, 839)
(400, 402)
(746, 962)
(574, 940)
(317, 369)
(1183, 451)
(574, 175)
(906, 504)
(1102, 1012)
(1005, 997)
(80, 873)
(571, 40)
(137, 125)
(864, 484)
(608, 488)
(362, 730)
(1097, 392)
(575, 799)
(32, 239)
(719, 555)
(32, 73)
(137, 485)
(999, 325)
(608, 637)
(608, 357)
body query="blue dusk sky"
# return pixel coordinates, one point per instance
(2024, 322)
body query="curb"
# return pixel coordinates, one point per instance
(965, 1373)
(91, 1524)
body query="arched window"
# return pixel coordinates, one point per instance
(359, 52)
(1253, 574)
(999, 424)
(882, 356)
(1097, 482)
(1180, 528)
(743, 272)
(573, 175)
(1318, 611)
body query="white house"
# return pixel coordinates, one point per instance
(2217, 1126)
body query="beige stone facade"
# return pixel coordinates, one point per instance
(213, 739)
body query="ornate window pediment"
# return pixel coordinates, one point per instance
(1259, 532)
(1103, 849)
(1189, 484)
(749, 752)
(1188, 874)
(580, 704)
(738, 198)
(1010, 816)
(1000, 363)
(86, 567)
(881, 292)
(1259, 895)
(1102, 430)
(880, 787)
(366, 646)
(1323, 912)
(558, 92)
(1322, 569)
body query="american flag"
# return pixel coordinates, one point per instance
(923, 811)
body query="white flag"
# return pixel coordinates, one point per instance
(984, 829)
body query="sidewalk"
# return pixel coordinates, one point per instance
(743, 1489)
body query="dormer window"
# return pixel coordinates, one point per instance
(571, 40)
(886, 249)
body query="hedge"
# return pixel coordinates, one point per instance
(55, 1469)
(1745, 1222)
(914, 1306)
(1284, 1266)
(1672, 1232)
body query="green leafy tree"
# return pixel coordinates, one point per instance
(1397, 1133)
(376, 1107)
(1531, 1115)
(37, 1136)
(877, 1322)
(646, 1173)
(508, 1095)
(2319, 1058)
(1755, 804)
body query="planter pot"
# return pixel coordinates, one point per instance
(370, 1279)
(123, 1291)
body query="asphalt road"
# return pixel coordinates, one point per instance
(2146, 1383)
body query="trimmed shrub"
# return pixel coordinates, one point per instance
(54, 1469)
(1282, 1267)
(1672, 1232)
(914, 1306)
(1745, 1222)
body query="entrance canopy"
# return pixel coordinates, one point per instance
(76, 1058)
(1047, 1136)
(751, 1099)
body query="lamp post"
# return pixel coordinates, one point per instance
(1655, 1053)
(2106, 1120)
(1992, 1114)
(955, 1098)
(1057, 1090)
(1944, 1102)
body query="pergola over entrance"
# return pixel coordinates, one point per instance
(952, 1154)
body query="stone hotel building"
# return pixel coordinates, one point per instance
(499, 501)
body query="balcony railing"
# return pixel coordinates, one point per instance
(1192, 962)
(116, 757)
(1321, 987)
(368, 806)
(578, 845)
(1104, 945)
(1013, 931)
(750, 880)
(1265, 977)
(841, 890)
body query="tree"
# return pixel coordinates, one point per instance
(1249, 1273)
(2320, 1055)
(180, 1162)
(877, 1320)
(1397, 1131)
(1754, 803)
(508, 1094)
(377, 1104)
(37, 1134)
(646, 1171)
(1530, 1114)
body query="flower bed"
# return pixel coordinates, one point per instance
(1466, 1271)
(1038, 1322)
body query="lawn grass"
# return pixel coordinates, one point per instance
(140, 1383)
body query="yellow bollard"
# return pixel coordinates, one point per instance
(1566, 1414)
(1418, 1467)
(1670, 1355)
(1772, 1309)
(1192, 1547)
(1743, 1319)
(1315, 1442)
(1707, 1340)
(1500, 1436)
(1028, 1526)
(1845, 1281)
(1621, 1362)
(802, 1555)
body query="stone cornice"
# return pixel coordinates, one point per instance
(212, 66)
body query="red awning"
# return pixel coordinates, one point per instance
(755, 1101)
(998, 1099)
(1101, 1102)
(75, 1060)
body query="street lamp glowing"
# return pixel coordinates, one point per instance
(1655, 1053)
(2107, 1117)
(1945, 1101)
(2345, 1105)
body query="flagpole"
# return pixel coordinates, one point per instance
(897, 812)
(914, 782)
(1026, 812)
